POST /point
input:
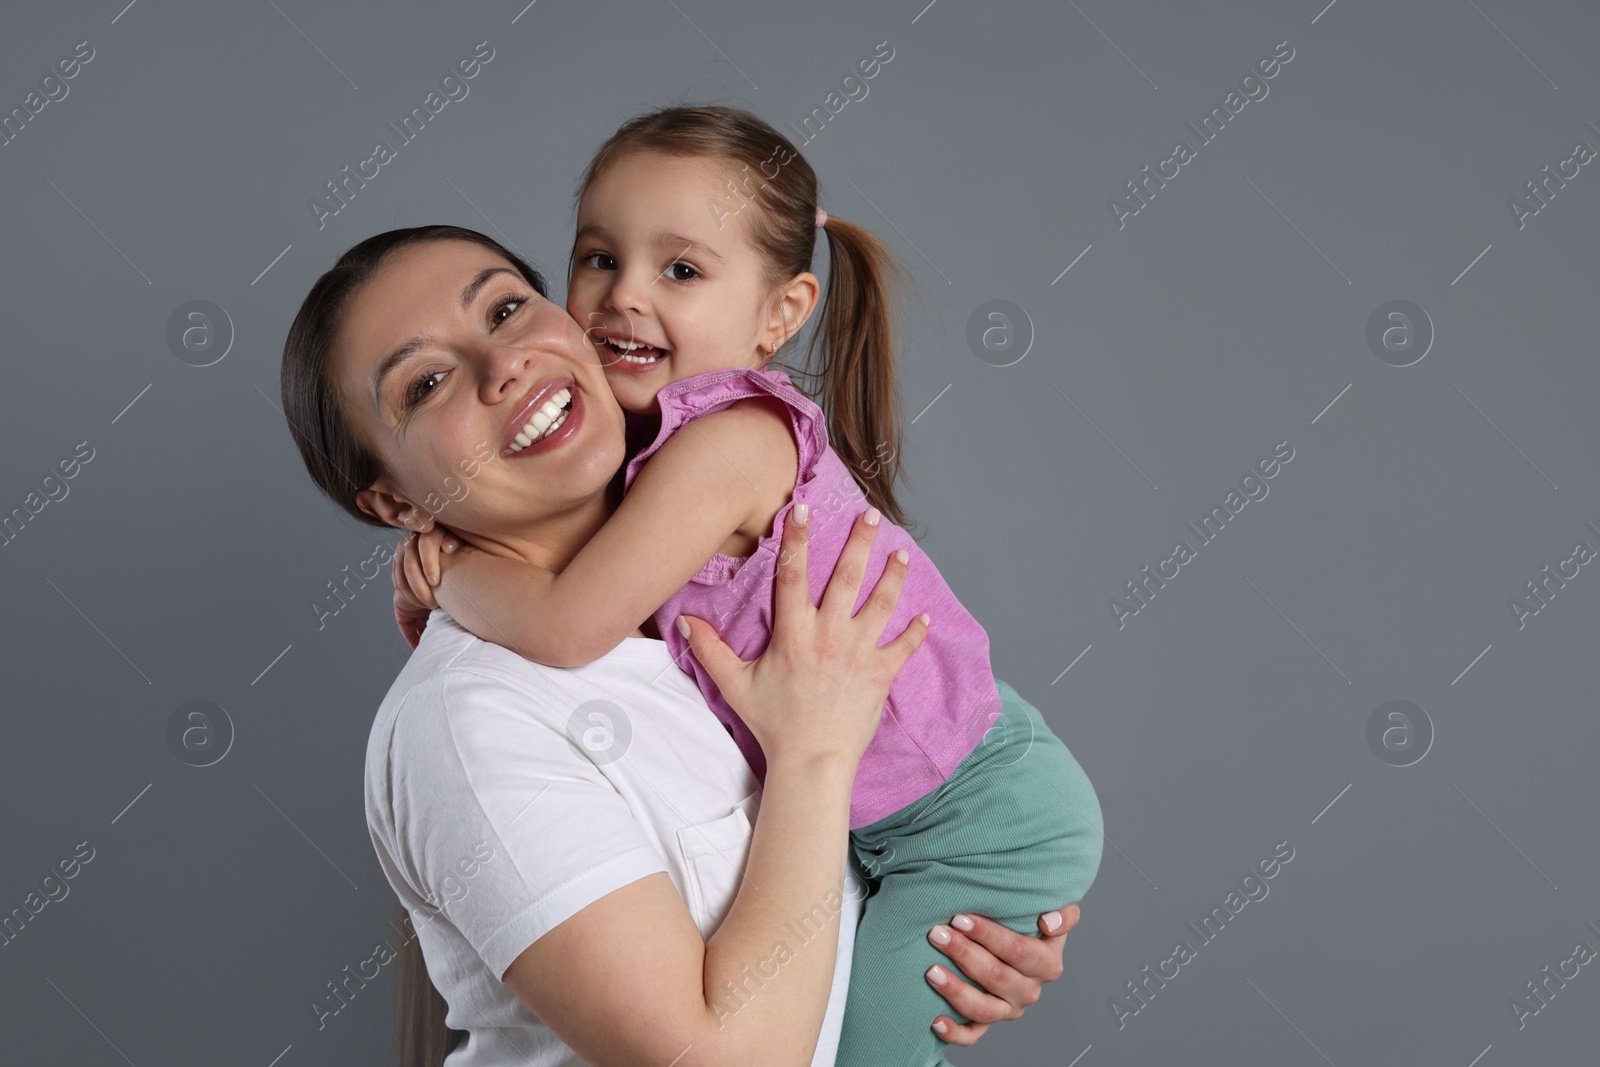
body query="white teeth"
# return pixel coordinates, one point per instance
(551, 414)
(625, 350)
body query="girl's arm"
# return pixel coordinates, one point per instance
(628, 979)
(728, 471)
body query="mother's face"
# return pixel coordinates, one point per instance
(442, 358)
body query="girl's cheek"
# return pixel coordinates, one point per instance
(588, 321)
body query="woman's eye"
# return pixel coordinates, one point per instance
(599, 261)
(681, 272)
(412, 396)
(512, 304)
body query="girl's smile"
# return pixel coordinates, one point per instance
(667, 289)
(628, 353)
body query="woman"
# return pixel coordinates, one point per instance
(556, 829)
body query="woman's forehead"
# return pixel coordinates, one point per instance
(432, 272)
(414, 289)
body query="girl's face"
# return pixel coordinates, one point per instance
(665, 280)
(444, 356)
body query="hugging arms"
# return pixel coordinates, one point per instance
(446, 289)
(813, 698)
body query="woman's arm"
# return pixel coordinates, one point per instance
(722, 473)
(628, 980)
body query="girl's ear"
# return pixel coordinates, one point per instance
(793, 305)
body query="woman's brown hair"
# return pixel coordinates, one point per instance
(337, 462)
(853, 348)
(341, 467)
(420, 1034)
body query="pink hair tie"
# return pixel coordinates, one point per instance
(822, 218)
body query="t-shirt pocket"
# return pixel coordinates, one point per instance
(714, 855)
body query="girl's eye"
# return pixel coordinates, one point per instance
(412, 399)
(599, 261)
(680, 271)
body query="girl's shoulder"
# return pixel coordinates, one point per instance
(714, 392)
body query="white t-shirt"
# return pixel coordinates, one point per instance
(504, 796)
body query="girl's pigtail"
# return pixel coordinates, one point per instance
(856, 342)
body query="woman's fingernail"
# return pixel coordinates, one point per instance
(872, 516)
(902, 555)
(937, 975)
(1052, 921)
(802, 513)
(683, 626)
(939, 935)
(939, 1027)
(926, 621)
(963, 923)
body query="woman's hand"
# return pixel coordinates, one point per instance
(819, 687)
(1012, 967)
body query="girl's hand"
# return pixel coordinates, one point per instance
(416, 556)
(1012, 967)
(819, 687)
(410, 614)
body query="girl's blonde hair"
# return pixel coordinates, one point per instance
(853, 347)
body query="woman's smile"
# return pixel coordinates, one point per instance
(479, 362)
(551, 415)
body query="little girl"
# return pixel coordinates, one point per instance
(691, 269)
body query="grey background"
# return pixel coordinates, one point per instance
(1225, 317)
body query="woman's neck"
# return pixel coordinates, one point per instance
(557, 540)
(554, 540)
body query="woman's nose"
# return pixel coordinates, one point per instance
(507, 370)
(538, 347)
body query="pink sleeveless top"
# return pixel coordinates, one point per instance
(941, 703)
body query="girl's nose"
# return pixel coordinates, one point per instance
(630, 293)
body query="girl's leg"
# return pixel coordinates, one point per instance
(1015, 831)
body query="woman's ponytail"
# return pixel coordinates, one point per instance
(855, 349)
(420, 1032)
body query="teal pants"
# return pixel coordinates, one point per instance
(1015, 832)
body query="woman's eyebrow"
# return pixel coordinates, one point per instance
(470, 293)
(393, 361)
(412, 346)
